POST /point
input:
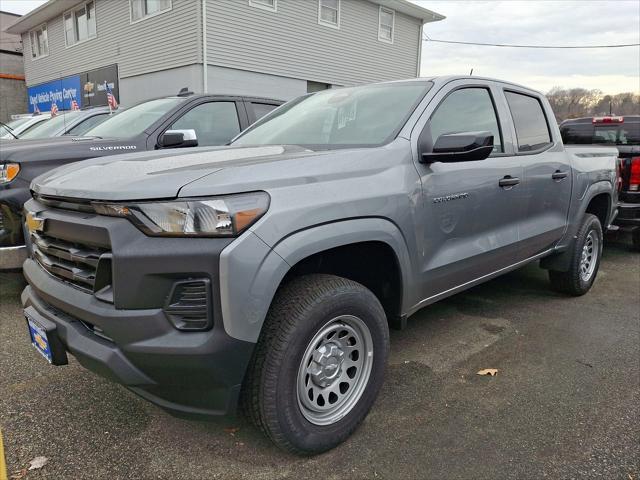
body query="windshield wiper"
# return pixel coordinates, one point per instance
(9, 129)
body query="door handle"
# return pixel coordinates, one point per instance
(558, 175)
(508, 181)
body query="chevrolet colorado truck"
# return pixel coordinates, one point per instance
(266, 274)
(185, 120)
(624, 134)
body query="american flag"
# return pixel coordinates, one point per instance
(74, 104)
(36, 110)
(54, 109)
(111, 99)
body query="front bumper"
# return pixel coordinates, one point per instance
(628, 214)
(130, 339)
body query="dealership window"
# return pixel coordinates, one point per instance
(532, 130)
(141, 9)
(39, 41)
(386, 23)
(80, 24)
(271, 5)
(329, 13)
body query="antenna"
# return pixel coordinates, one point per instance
(471, 72)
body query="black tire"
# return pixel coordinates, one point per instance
(572, 282)
(299, 311)
(635, 238)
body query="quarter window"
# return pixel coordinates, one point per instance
(271, 5)
(39, 41)
(386, 24)
(215, 123)
(141, 9)
(467, 110)
(329, 13)
(532, 130)
(80, 24)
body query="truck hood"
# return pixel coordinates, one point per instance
(152, 175)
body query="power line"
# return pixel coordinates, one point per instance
(480, 44)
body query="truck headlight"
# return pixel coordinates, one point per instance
(223, 216)
(8, 171)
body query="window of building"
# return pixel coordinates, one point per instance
(271, 5)
(141, 9)
(532, 130)
(215, 123)
(387, 18)
(467, 110)
(39, 41)
(329, 13)
(80, 24)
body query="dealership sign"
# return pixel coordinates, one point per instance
(87, 89)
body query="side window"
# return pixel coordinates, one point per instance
(261, 109)
(467, 110)
(215, 123)
(88, 124)
(532, 130)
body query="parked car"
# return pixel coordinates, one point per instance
(15, 128)
(185, 120)
(266, 273)
(624, 133)
(76, 122)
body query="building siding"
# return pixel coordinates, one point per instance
(171, 39)
(291, 43)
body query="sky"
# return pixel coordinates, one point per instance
(532, 22)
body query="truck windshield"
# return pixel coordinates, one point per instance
(364, 116)
(582, 133)
(50, 128)
(135, 120)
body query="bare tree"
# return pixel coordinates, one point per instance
(580, 102)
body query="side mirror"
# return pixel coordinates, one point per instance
(460, 147)
(178, 139)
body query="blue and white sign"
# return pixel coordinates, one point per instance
(61, 91)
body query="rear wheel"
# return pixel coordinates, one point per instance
(585, 260)
(319, 363)
(635, 238)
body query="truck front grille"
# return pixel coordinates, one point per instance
(84, 266)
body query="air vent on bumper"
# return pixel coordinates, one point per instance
(189, 306)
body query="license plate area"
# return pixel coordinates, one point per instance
(44, 338)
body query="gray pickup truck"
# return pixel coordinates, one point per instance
(266, 274)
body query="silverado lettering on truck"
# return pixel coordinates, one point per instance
(264, 275)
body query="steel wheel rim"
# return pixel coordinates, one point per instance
(589, 256)
(331, 377)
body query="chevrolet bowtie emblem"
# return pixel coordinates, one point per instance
(34, 224)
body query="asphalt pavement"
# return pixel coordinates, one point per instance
(565, 403)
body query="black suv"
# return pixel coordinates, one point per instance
(624, 133)
(184, 120)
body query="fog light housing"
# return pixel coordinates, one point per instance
(188, 306)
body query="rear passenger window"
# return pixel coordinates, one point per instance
(261, 109)
(467, 110)
(215, 123)
(532, 130)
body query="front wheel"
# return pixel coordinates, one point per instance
(319, 363)
(585, 260)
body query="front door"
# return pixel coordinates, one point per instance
(471, 208)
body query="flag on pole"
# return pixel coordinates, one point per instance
(54, 109)
(74, 104)
(111, 99)
(36, 110)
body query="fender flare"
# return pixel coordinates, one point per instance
(251, 272)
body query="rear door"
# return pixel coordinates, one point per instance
(546, 188)
(471, 208)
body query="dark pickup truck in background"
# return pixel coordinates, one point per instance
(624, 133)
(184, 120)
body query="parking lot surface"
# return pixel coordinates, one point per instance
(564, 404)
